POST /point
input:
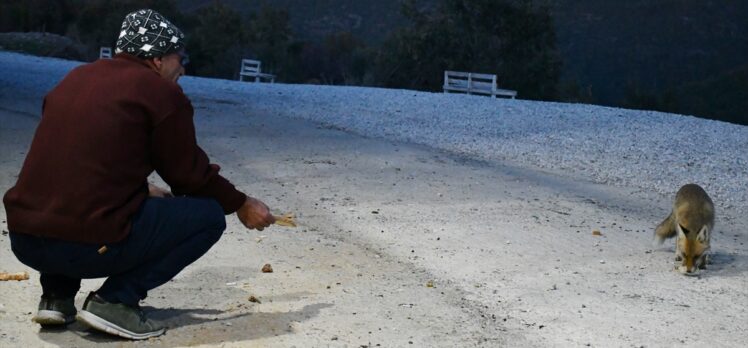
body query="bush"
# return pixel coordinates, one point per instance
(43, 44)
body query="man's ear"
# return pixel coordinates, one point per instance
(157, 62)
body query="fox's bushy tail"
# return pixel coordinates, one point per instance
(665, 230)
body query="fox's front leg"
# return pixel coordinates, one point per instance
(707, 261)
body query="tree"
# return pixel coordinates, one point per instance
(271, 41)
(216, 42)
(52, 16)
(514, 39)
(340, 59)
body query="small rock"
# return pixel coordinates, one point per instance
(253, 299)
(267, 268)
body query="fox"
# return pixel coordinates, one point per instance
(692, 221)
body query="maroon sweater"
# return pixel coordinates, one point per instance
(104, 128)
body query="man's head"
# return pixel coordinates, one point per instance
(149, 35)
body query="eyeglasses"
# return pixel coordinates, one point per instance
(184, 58)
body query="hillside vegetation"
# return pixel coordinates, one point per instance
(670, 55)
(667, 55)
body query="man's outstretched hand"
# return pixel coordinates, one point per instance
(255, 214)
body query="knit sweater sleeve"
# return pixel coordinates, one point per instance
(184, 165)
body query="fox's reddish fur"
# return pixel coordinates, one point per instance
(692, 221)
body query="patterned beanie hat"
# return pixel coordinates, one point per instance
(147, 34)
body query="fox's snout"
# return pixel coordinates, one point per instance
(684, 271)
(688, 268)
(692, 255)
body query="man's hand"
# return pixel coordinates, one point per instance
(155, 191)
(255, 214)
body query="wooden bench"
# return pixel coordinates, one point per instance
(251, 69)
(105, 52)
(455, 81)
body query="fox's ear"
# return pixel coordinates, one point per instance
(680, 232)
(703, 235)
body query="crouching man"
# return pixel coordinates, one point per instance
(82, 206)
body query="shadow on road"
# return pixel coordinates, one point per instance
(188, 327)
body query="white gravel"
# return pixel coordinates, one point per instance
(644, 149)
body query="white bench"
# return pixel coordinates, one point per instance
(455, 81)
(252, 69)
(105, 52)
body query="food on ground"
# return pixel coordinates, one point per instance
(14, 276)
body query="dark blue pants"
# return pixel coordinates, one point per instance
(167, 235)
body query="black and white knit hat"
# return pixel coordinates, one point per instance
(147, 34)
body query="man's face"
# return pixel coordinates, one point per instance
(170, 66)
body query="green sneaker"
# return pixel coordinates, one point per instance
(55, 311)
(118, 319)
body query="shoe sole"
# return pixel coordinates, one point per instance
(47, 317)
(101, 324)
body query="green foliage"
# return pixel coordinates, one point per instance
(216, 42)
(571, 91)
(271, 41)
(513, 39)
(636, 97)
(617, 47)
(42, 44)
(52, 16)
(678, 56)
(722, 97)
(340, 60)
